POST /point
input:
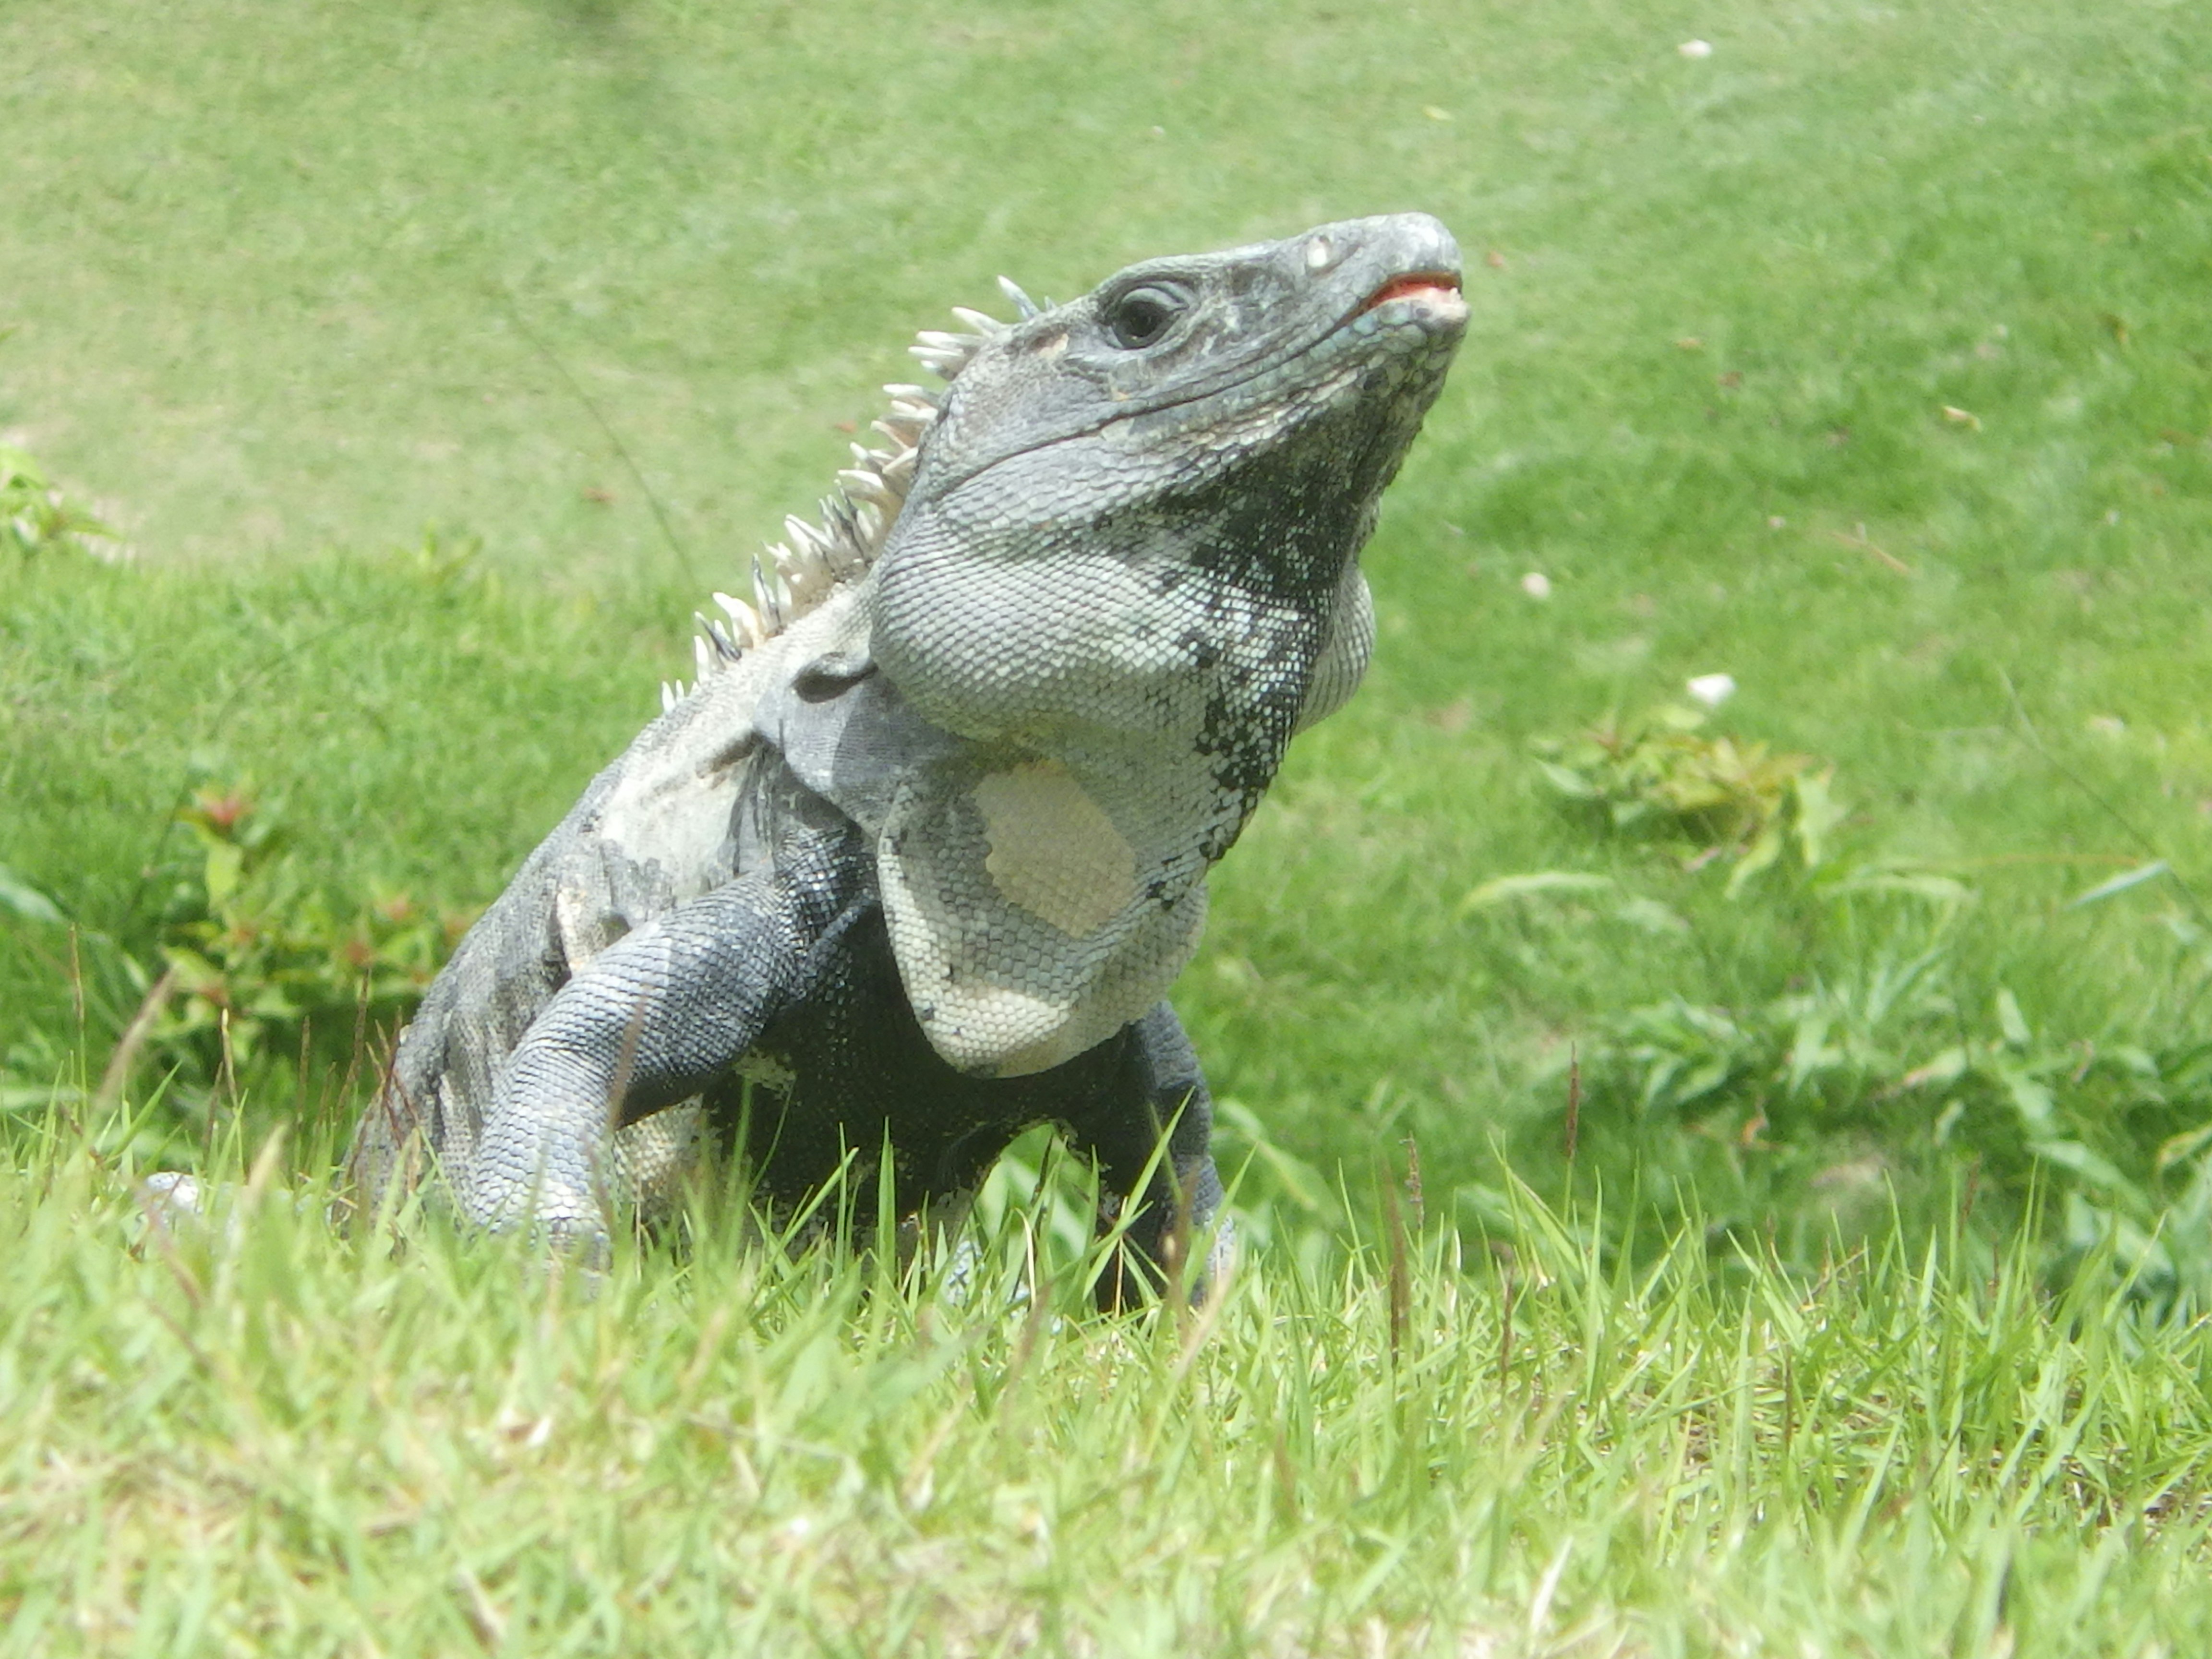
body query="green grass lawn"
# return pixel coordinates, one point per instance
(1863, 360)
(251, 1437)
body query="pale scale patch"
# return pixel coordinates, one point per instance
(1023, 1029)
(1054, 851)
(650, 1159)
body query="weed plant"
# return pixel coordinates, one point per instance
(36, 519)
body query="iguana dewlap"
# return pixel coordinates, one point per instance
(917, 859)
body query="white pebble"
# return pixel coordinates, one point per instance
(1712, 689)
(1536, 585)
(1696, 48)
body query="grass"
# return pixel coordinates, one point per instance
(1862, 360)
(252, 1436)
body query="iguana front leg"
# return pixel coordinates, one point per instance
(1159, 1092)
(652, 1021)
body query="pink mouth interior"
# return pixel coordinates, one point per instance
(1414, 282)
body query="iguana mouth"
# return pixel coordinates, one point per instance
(1405, 287)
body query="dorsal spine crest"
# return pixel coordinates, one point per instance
(790, 578)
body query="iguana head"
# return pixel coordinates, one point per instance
(1196, 366)
(1123, 574)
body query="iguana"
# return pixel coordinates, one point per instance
(916, 859)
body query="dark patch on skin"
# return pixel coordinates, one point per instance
(1269, 538)
(1265, 539)
(1247, 737)
(1204, 653)
(862, 1069)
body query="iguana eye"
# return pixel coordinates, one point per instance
(1142, 316)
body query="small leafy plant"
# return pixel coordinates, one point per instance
(1857, 1079)
(35, 517)
(259, 971)
(1660, 773)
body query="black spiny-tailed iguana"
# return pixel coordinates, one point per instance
(917, 858)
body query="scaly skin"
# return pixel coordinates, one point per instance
(917, 861)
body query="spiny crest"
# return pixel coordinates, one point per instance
(792, 577)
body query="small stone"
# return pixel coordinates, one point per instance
(1696, 48)
(1536, 585)
(1711, 690)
